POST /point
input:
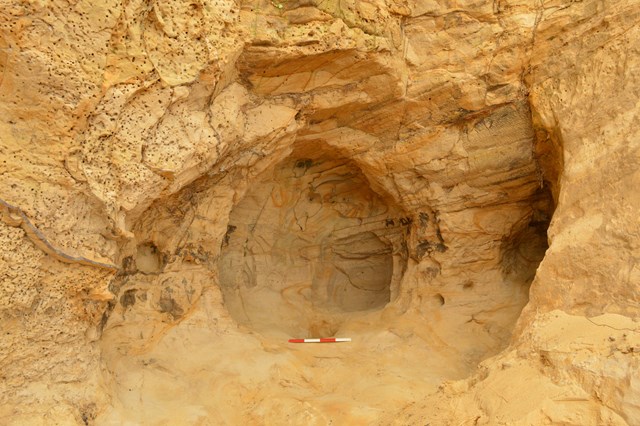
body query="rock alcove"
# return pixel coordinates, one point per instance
(427, 247)
(310, 244)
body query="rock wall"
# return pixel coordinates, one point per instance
(185, 185)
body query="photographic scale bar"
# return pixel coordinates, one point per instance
(322, 340)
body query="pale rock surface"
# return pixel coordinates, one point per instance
(452, 184)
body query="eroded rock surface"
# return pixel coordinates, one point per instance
(185, 185)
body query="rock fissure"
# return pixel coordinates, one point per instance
(8, 215)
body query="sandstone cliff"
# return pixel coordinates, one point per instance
(184, 185)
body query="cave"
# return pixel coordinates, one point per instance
(451, 185)
(311, 244)
(424, 253)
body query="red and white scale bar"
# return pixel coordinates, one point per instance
(321, 340)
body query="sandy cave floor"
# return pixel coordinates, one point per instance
(208, 370)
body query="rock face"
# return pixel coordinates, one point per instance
(452, 184)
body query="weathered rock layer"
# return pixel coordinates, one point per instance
(185, 185)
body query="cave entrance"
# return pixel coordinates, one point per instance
(310, 244)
